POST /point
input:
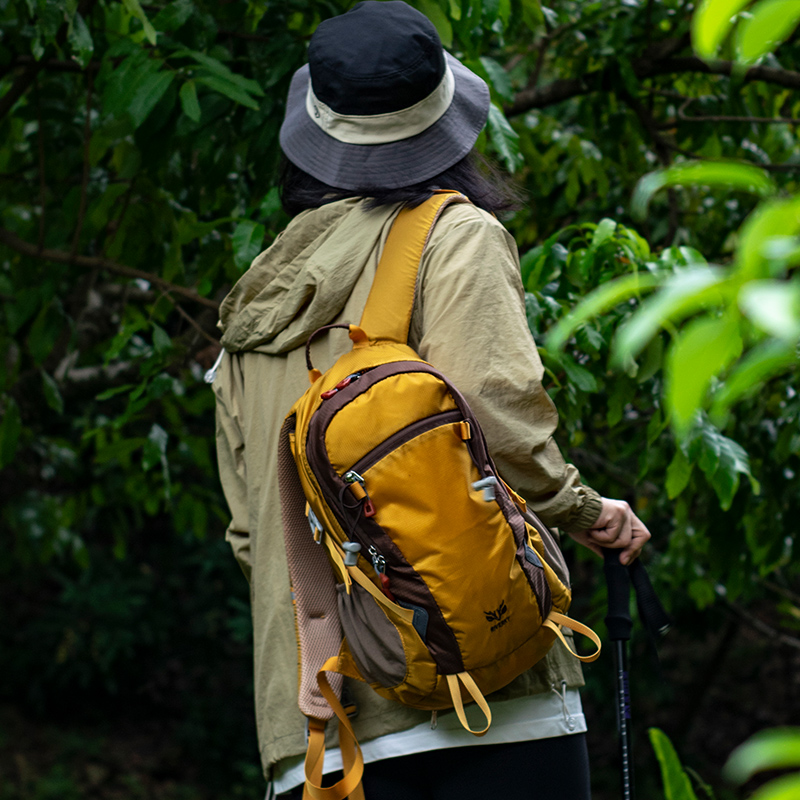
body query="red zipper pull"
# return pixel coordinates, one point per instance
(385, 587)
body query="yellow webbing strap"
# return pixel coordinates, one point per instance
(387, 314)
(474, 693)
(555, 620)
(362, 580)
(337, 558)
(352, 760)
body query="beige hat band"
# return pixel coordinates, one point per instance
(383, 128)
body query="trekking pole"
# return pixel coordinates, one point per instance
(619, 624)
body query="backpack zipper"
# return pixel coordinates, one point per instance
(402, 436)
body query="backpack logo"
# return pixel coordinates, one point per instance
(497, 616)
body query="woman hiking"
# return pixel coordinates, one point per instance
(380, 118)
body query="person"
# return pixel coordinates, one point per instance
(381, 117)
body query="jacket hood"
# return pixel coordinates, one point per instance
(303, 280)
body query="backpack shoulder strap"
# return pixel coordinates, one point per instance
(387, 314)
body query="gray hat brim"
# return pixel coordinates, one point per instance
(390, 165)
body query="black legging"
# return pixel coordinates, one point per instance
(545, 769)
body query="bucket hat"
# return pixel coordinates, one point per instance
(380, 102)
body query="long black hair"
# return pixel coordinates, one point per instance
(473, 176)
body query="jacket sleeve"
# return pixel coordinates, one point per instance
(231, 460)
(470, 322)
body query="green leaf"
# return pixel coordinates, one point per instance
(108, 393)
(652, 360)
(51, 393)
(433, 11)
(768, 25)
(703, 349)
(711, 23)
(136, 10)
(155, 448)
(604, 231)
(44, 332)
(678, 473)
(769, 359)
(219, 70)
(775, 748)
(774, 306)
(727, 174)
(682, 294)
(10, 429)
(174, 15)
(578, 375)
(785, 788)
(189, 104)
(598, 302)
(677, 785)
(119, 451)
(161, 340)
(271, 204)
(80, 40)
(498, 78)
(247, 240)
(733, 462)
(230, 90)
(504, 138)
(776, 218)
(149, 92)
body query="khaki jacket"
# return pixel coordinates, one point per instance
(468, 320)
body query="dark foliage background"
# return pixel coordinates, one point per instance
(138, 149)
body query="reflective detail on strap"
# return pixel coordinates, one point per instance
(383, 128)
(475, 693)
(555, 620)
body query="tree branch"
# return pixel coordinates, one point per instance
(55, 64)
(658, 62)
(87, 138)
(761, 626)
(722, 118)
(18, 88)
(88, 262)
(42, 183)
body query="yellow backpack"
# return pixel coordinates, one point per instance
(414, 567)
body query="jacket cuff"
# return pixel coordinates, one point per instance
(587, 512)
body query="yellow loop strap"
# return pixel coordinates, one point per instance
(353, 761)
(474, 693)
(554, 620)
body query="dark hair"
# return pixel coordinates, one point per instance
(474, 176)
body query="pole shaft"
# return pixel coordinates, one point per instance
(623, 709)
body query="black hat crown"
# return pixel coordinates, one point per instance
(378, 58)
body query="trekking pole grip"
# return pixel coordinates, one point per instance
(618, 618)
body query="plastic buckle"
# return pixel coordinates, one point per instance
(488, 485)
(316, 526)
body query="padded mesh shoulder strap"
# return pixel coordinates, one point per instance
(319, 632)
(387, 314)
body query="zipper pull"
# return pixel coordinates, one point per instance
(341, 385)
(379, 565)
(359, 490)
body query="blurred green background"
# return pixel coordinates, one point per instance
(138, 155)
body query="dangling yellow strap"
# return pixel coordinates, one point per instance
(555, 620)
(474, 693)
(352, 759)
